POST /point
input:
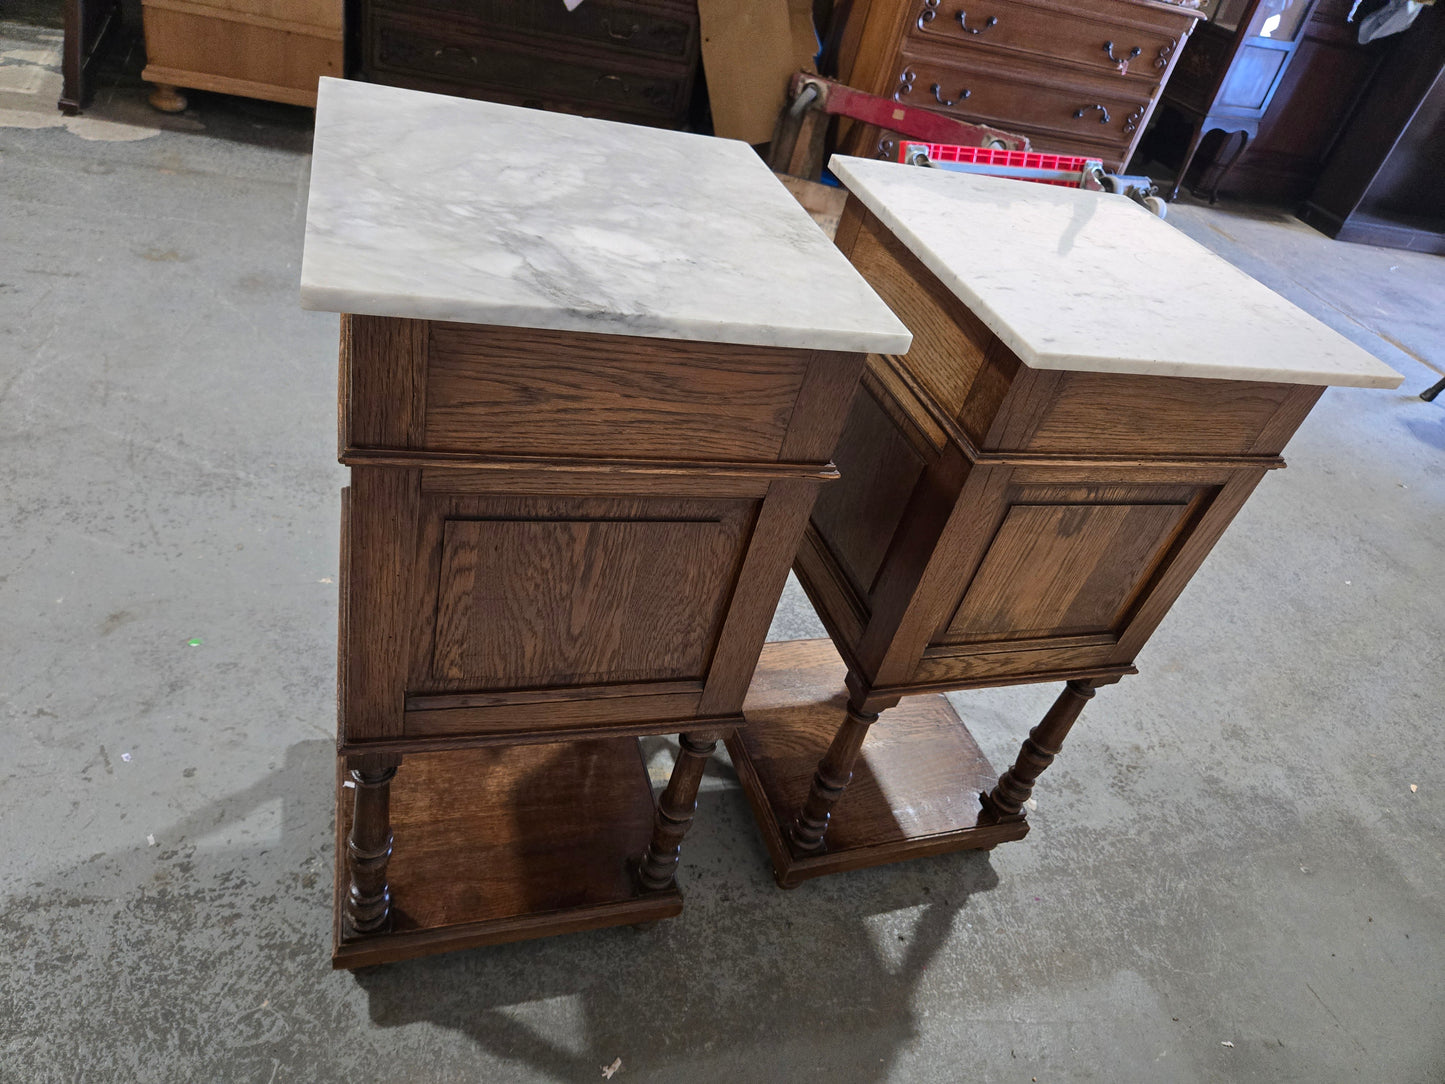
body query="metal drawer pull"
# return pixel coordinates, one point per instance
(1121, 61)
(941, 100)
(454, 50)
(1104, 113)
(607, 26)
(963, 23)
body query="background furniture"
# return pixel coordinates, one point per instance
(1385, 181)
(631, 60)
(1024, 494)
(88, 25)
(1319, 89)
(1230, 70)
(1078, 78)
(586, 418)
(270, 49)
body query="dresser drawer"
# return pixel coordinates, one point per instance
(479, 64)
(664, 30)
(1091, 41)
(1024, 95)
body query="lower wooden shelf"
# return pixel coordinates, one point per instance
(915, 787)
(507, 843)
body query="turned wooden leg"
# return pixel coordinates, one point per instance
(675, 808)
(167, 99)
(834, 772)
(367, 908)
(1006, 801)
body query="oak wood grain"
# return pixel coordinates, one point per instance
(519, 392)
(503, 843)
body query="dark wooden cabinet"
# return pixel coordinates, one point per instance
(1077, 78)
(631, 60)
(1297, 132)
(88, 25)
(1230, 71)
(1385, 181)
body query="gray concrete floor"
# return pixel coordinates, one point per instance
(1230, 877)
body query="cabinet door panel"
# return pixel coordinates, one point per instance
(557, 593)
(1063, 569)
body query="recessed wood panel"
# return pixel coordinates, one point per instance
(1063, 569)
(519, 392)
(524, 604)
(859, 514)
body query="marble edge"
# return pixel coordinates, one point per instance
(1384, 377)
(467, 311)
(1221, 371)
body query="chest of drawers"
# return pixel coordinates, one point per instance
(1078, 78)
(629, 60)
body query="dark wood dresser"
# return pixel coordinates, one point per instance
(1078, 78)
(630, 61)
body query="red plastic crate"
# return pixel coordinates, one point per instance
(951, 152)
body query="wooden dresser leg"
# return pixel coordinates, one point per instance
(167, 99)
(675, 809)
(1006, 801)
(834, 773)
(367, 908)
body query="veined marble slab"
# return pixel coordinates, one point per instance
(1093, 282)
(442, 208)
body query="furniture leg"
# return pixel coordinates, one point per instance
(1188, 157)
(1433, 390)
(367, 908)
(1006, 801)
(675, 808)
(1235, 157)
(167, 99)
(834, 773)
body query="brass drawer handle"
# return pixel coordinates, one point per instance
(1104, 113)
(992, 20)
(941, 100)
(1122, 62)
(607, 26)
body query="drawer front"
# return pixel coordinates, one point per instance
(481, 63)
(1138, 54)
(658, 30)
(607, 396)
(1104, 112)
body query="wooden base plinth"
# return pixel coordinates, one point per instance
(916, 784)
(508, 843)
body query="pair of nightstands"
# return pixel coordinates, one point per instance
(593, 379)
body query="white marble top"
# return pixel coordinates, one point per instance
(442, 208)
(1093, 282)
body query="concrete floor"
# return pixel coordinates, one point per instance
(1230, 877)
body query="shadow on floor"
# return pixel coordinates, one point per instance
(194, 950)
